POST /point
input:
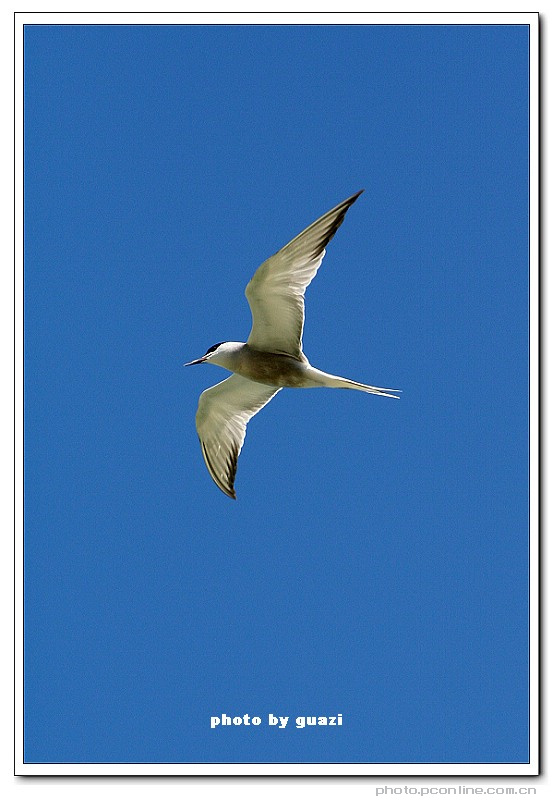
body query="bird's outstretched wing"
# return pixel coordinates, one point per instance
(224, 410)
(276, 291)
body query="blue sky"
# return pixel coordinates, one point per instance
(375, 562)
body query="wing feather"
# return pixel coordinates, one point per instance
(276, 291)
(223, 413)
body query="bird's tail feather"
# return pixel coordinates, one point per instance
(363, 387)
(336, 382)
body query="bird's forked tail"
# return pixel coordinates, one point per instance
(345, 383)
(336, 382)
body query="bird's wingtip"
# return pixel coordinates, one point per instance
(354, 197)
(229, 491)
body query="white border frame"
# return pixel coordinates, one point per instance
(289, 769)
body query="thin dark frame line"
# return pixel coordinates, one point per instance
(539, 388)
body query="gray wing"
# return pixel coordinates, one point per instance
(224, 410)
(276, 291)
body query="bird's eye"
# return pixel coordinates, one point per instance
(213, 347)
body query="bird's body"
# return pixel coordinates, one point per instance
(272, 369)
(272, 358)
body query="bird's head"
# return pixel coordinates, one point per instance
(223, 354)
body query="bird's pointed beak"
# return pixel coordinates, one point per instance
(196, 361)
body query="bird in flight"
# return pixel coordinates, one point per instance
(272, 358)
